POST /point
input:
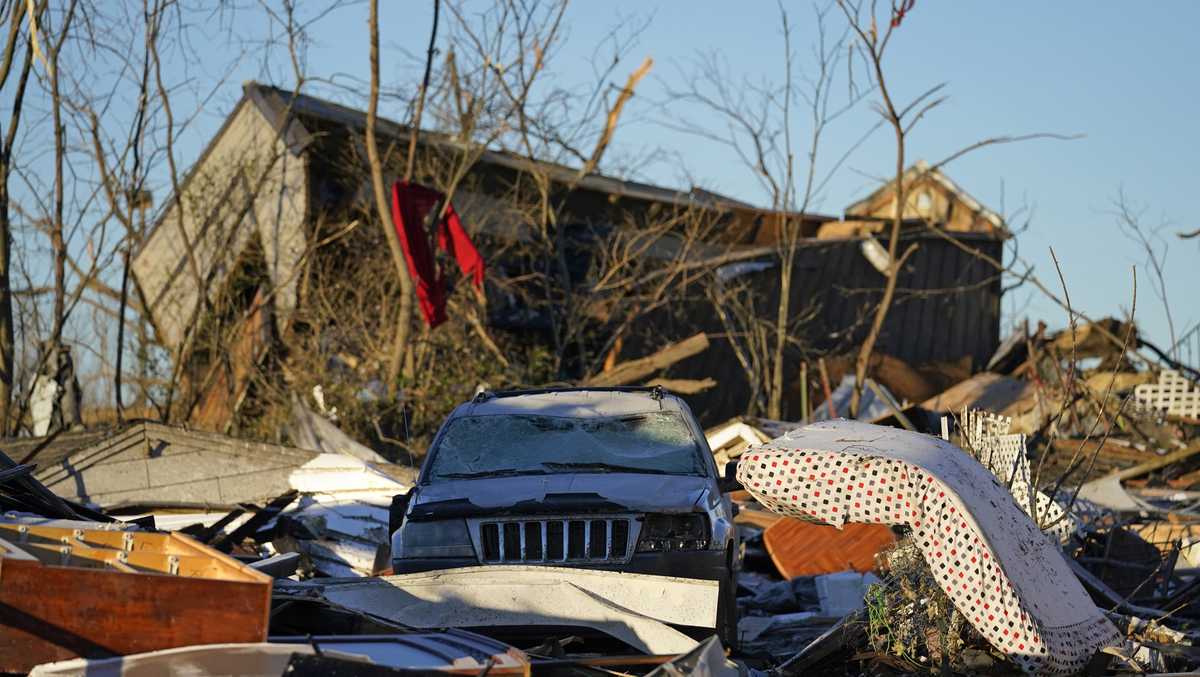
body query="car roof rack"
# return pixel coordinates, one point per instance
(656, 391)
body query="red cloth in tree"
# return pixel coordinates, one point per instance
(411, 204)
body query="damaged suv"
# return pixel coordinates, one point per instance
(607, 478)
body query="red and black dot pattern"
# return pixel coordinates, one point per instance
(1000, 571)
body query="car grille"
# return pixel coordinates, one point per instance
(596, 539)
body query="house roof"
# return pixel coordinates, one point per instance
(274, 103)
(280, 107)
(921, 169)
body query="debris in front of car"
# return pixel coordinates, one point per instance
(257, 659)
(801, 548)
(636, 609)
(843, 592)
(452, 651)
(1008, 580)
(706, 660)
(68, 591)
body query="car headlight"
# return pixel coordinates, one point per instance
(443, 538)
(662, 533)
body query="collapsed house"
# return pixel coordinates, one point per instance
(272, 217)
(864, 546)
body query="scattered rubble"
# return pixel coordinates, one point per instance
(1037, 516)
(70, 590)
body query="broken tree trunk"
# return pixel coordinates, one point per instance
(636, 370)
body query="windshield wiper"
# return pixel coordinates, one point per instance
(607, 467)
(507, 472)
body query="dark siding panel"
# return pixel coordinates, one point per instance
(947, 324)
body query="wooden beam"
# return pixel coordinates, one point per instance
(636, 370)
(685, 386)
(1160, 462)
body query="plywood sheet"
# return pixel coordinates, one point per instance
(800, 548)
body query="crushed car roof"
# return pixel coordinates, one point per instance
(575, 403)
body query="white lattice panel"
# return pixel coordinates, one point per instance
(1005, 455)
(1173, 394)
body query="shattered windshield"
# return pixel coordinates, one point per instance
(479, 446)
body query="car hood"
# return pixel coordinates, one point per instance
(561, 493)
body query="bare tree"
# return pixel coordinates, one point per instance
(760, 132)
(404, 316)
(1150, 241)
(14, 91)
(873, 45)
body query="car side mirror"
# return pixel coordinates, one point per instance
(730, 482)
(396, 512)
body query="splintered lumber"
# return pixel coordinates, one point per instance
(988, 391)
(1160, 462)
(847, 632)
(685, 386)
(260, 518)
(69, 592)
(637, 370)
(1112, 451)
(800, 548)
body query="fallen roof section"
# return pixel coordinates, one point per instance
(151, 462)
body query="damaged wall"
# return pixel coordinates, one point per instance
(947, 307)
(221, 210)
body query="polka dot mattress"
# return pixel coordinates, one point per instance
(1006, 577)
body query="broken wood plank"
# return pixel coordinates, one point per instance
(1111, 450)
(891, 404)
(636, 370)
(684, 386)
(260, 518)
(154, 591)
(209, 534)
(1160, 462)
(800, 548)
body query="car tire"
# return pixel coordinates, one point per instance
(727, 611)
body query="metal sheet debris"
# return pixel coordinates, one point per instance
(247, 660)
(633, 608)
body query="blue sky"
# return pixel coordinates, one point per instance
(1124, 75)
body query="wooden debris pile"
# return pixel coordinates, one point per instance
(1093, 431)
